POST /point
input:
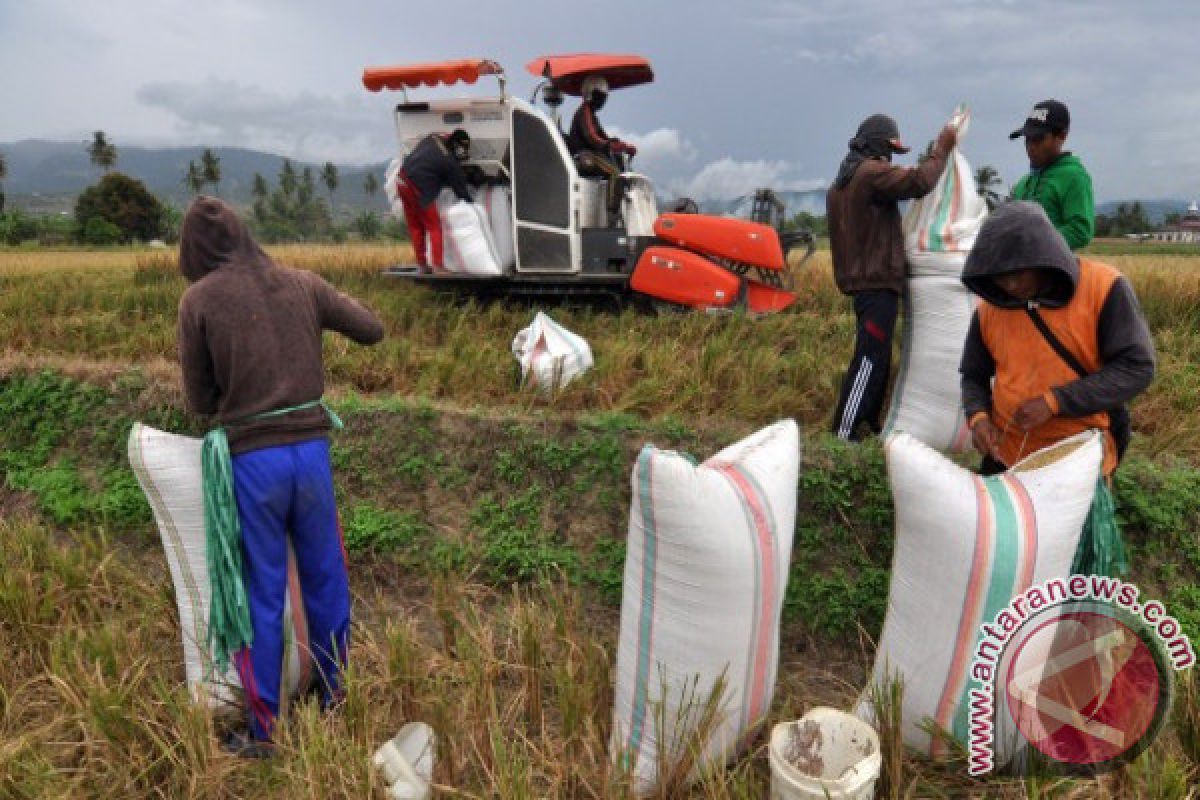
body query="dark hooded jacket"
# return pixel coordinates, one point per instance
(250, 331)
(1089, 306)
(430, 168)
(865, 237)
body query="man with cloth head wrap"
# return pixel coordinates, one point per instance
(867, 245)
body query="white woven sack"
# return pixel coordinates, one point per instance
(466, 237)
(940, 228)
(706, 569)
(497, 206)
(168, 468)
(639, 206)
(965, 547)
(391, 190)
(550, 355)
(927, 399)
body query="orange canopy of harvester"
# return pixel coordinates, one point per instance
(568, 71)
(410, 76)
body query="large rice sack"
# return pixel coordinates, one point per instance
(497, 207)
(940, 228)
(927, 398)
(965, 546)
(467, 245)
(939, 231)
(168, 468)
(706, 568)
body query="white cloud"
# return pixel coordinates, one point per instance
(304, 125)
(727, 178)
(659, 146)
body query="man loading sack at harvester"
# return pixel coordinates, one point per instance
(1067, 346)
(434, 164)
(596, 153)
(250, 352)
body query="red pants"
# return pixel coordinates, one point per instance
(422, 222)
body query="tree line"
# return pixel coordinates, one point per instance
(119, 209)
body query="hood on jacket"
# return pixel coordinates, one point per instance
(1020, 236)
(213, 236)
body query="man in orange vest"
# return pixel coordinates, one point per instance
(1063, 338)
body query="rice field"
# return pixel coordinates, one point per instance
(513, 671)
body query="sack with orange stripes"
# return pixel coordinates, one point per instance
(965, 547)
(706, 569)
(168, 468)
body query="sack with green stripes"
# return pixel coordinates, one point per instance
(168, 467)
(706, 569)
(965, 546)
(940, 228)
(939, 231)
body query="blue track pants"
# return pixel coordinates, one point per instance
(284, 492)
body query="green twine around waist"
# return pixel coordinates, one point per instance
(229, 627)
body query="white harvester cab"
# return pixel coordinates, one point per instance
(564, 239)
(517, 145)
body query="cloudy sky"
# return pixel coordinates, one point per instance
(747, 92)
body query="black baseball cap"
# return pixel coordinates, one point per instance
(1046, 117)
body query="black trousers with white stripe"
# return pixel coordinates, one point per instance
(866, 380)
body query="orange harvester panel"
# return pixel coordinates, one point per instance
(736, 239)
(685, 278)
(766, 299)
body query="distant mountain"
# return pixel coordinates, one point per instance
(811, 201)
(46, 176)
(1156, 210)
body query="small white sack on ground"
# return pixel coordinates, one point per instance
(467, 245)
(706, 570)
(168, 468)
(939, 231)
(550, 355)
(940, 228)
(965, 546)
(406, 762)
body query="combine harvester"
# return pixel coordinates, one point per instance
(564, 243)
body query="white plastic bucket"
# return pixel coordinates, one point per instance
(824, 754)
(406, 762)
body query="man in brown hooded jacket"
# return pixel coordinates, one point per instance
(250, 351)
(867, 246)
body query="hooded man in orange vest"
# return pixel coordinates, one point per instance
(1063, 338)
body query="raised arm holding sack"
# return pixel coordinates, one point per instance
(867, 244)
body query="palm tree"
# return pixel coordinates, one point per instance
(370, 184)
(259, 188)
(102, 152)
(193, 178)
(985, 178)
(210, 167)
(329, 177)
(287, 178)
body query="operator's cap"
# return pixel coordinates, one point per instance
(1045, 117)
(881, 126)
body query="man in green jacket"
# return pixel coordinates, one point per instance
(1057, 180)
